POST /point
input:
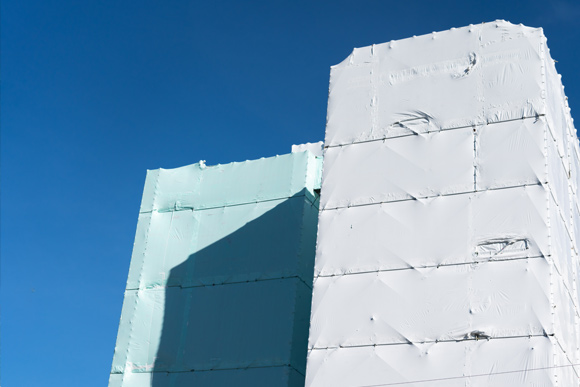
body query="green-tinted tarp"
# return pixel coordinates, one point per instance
(220, 282)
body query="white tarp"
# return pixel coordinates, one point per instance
(462, 77)
(447, 248)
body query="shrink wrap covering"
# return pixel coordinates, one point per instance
(220, 283)
(447, 250)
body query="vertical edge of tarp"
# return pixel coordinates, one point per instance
(150, 190)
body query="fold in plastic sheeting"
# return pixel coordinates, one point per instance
(449, 228)
(220, 282)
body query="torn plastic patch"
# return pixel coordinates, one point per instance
(417, 122)
(493, 247)
(470, 66)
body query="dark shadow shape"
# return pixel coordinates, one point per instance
(242, 304)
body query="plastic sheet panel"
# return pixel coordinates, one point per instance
(499, 155)
(184, 243)
(510, 153)
(488, 225)
(200, 336)
(479, 363)
(199, 186)
(399, 168)
(219, 288)
(449, 303)
(490, 72)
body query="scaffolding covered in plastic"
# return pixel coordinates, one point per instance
(449, 229)
(220, 281)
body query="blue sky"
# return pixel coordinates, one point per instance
(94, 93)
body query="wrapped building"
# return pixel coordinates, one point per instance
(447, 250)
(443, 249)
(220, 282)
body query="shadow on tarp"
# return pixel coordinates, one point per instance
(237, 312)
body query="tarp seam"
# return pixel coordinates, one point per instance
(432, 266)
(434, 196)
(226, 283)
(211, 369)
(429, 342)
(189, 208)
(536, 116)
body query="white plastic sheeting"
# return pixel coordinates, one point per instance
(447, 251)
(467, 76)
(219, 287)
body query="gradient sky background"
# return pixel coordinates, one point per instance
(96, 92)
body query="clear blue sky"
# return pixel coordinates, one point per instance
(96, 92)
